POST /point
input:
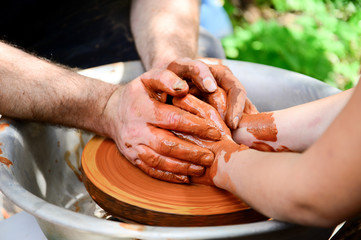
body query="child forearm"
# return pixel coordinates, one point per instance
(295, 128)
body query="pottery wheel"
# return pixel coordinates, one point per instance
(124, 191)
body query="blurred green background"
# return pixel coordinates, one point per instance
(319, 38)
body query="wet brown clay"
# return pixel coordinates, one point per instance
(3, 126)
(5, 161)
(261, 125)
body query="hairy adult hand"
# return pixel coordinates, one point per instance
(140, 121)
(217, 85)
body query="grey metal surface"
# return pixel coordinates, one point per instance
(42, 182)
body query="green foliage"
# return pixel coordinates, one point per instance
(319, 38)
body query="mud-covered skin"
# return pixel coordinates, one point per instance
(142, 124)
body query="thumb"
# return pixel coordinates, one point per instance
(164, 81)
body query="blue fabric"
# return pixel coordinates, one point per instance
(215, 19)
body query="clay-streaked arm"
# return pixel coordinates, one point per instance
(319, 187)
(297, 127)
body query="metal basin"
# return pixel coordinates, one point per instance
(43, 178)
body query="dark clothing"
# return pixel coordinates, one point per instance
(80, 33)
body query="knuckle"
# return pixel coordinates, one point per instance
(158, 174)
(174, 119)
(145, 168)
(130, 135)
(166, 146)
(225, 68)
(195, 69)
(166, 75)
(173, 65)
(155, 161)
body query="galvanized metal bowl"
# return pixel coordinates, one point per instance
(43, 179)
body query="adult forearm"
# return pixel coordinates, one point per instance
(165, 30)
(35, 89)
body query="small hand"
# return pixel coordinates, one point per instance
(259, 131)
(139, 119)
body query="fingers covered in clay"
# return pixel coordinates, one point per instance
(161, 175)
(260, 131)
(173, 118)
(159, 83)
(196, 71)
(167, 144)
(218, 100)
(225, 145)
(206, 74)
(144, 120)
(159, 80)
(192, 104)
(236, 93)
(160, 162)
(249, 108)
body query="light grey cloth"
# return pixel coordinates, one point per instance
(21, 226)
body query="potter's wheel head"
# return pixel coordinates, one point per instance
(125, 191)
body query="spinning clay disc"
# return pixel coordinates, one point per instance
(125, 191)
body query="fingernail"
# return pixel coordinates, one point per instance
(181, 179)
(207, 159)
(209, 84)
(179, 85)
(196, 170)
(214, 133)
(235, 122)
